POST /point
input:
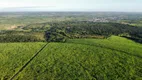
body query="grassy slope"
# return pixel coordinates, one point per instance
(114, 43)
(113, 58)
(14, 55)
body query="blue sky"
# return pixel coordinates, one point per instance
(71, 5)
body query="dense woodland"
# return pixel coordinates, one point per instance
(61, 31)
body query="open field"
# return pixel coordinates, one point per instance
(114, 43)
(14, 55)
(137, 23)
(7, 20)
(100, 59)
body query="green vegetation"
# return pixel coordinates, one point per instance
(82, 46)
(59, 31)
(87, 59)
(60, 26)
(8, 20)
(15, 55)
(114, 43)
(137, 22)
(21, 36)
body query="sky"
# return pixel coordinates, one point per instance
(71, 5)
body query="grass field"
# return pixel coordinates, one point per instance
(14, 55)
(114, 43)
(114, 58)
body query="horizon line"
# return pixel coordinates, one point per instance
(76, 11)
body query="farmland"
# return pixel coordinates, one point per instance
(70, 46)
(86, 59)
(14, 55)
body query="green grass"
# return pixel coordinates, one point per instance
(14, 55)
(115, 58)
(137, 24)
(114, 43)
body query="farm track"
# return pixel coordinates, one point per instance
(24, 66)
(138, 56)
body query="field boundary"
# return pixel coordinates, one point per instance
(24, 66)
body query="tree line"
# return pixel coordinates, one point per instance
(60, 31)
